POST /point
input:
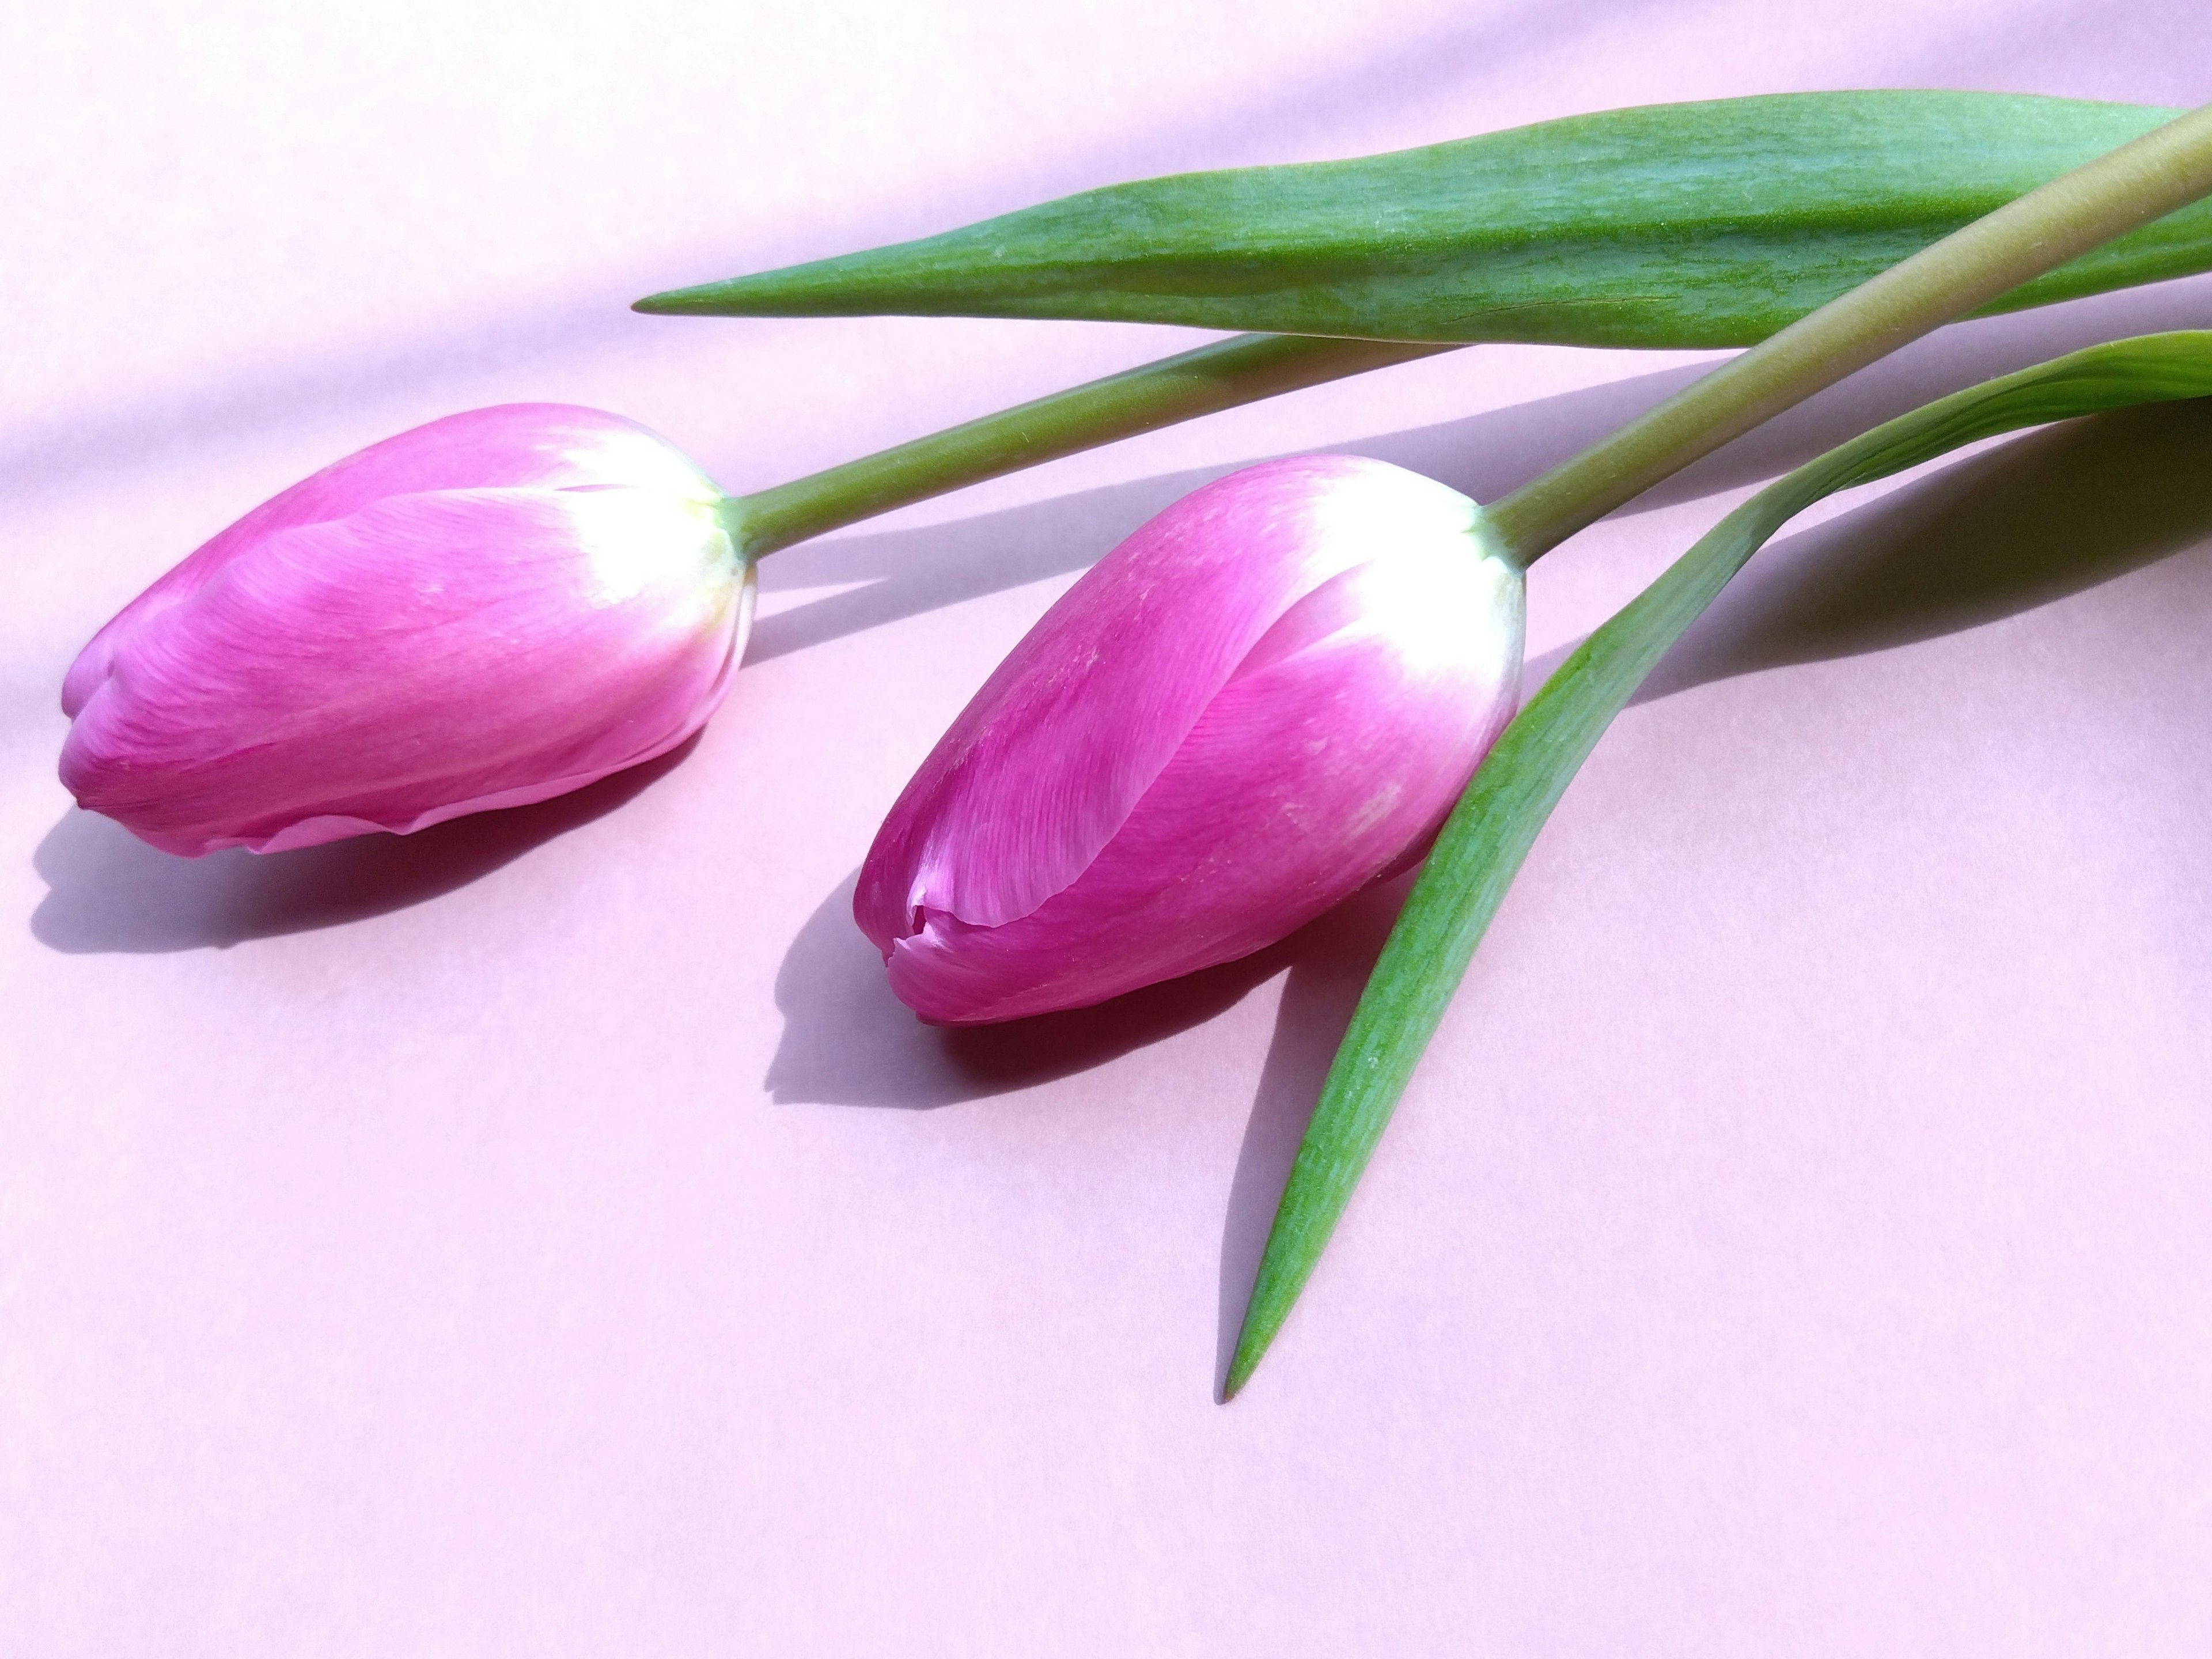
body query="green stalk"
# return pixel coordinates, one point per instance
(1214, 376)
(2141, 181)
(1434, 940)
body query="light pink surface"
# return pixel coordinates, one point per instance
(514, 1240)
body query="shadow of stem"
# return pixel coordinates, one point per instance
(907, 573)
(1336, 954)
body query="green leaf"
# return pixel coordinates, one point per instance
(1488, 835)
(1678, 225)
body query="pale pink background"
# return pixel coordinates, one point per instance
(525, 1239)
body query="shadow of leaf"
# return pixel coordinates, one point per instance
(1330, 963)
(2045, 516)
(2053, 513)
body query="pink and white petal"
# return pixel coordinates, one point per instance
(1301, 782)
(544, 446)
(426, 653)
(1046, 763)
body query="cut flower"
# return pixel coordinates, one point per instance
(1265, 699)
(483, 611)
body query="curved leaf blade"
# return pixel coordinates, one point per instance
(1489, 834)
(1676, 225)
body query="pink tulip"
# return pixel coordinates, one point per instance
(1265, 699)
(484, 611)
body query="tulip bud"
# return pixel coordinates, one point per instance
(1267, 698)
(484, 611)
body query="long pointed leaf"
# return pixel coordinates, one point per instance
(1489, 834)
(1676, 225)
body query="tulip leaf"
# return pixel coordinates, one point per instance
(1675, 225)
(1490, 833)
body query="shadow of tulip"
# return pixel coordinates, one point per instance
(848, 1042)
(109, 891)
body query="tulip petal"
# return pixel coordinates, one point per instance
(1333, 748)
(426, 655)
(548, 446)
(1048, 763)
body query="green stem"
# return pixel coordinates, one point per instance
(1222, 375)
(2167, 168)
(1430, 946)
(2041, 230)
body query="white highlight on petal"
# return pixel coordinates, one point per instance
(634, 541)
(1445, 607)
(643, 460)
